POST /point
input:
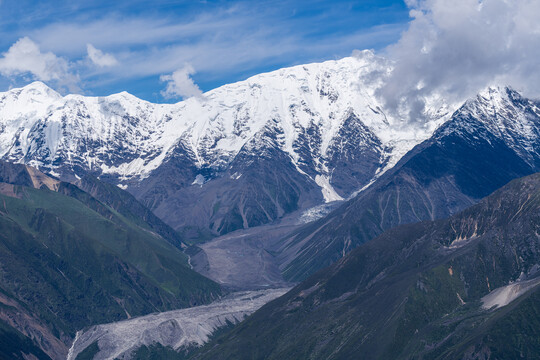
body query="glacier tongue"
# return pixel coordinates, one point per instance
(175, 329)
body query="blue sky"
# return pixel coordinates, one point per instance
(103, 47)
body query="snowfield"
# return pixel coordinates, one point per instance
(506, 294)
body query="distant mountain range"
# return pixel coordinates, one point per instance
(248, 153)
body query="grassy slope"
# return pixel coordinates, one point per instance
(126, 204)
(71, 262)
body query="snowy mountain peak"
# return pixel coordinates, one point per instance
(38, 87)
(33, 96)
(498, 100)
(502, 113)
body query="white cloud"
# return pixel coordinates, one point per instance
(453, 49)
(216, 42)
(100, 58)
(24, 57)
(180, 84)
(236, 40)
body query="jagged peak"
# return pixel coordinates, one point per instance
(499, 94)
(491, 97)
(40, 85)
(502, 111)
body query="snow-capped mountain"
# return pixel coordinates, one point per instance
(502, 113)
(322, 122)
(490, 140)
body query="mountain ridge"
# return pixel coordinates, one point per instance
(321, 120)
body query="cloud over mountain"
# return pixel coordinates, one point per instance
(25, 58)
(100, 58)
(180, 84)
(452, 49)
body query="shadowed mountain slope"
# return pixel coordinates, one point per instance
(464, 287)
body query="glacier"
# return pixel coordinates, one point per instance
(176, 329)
